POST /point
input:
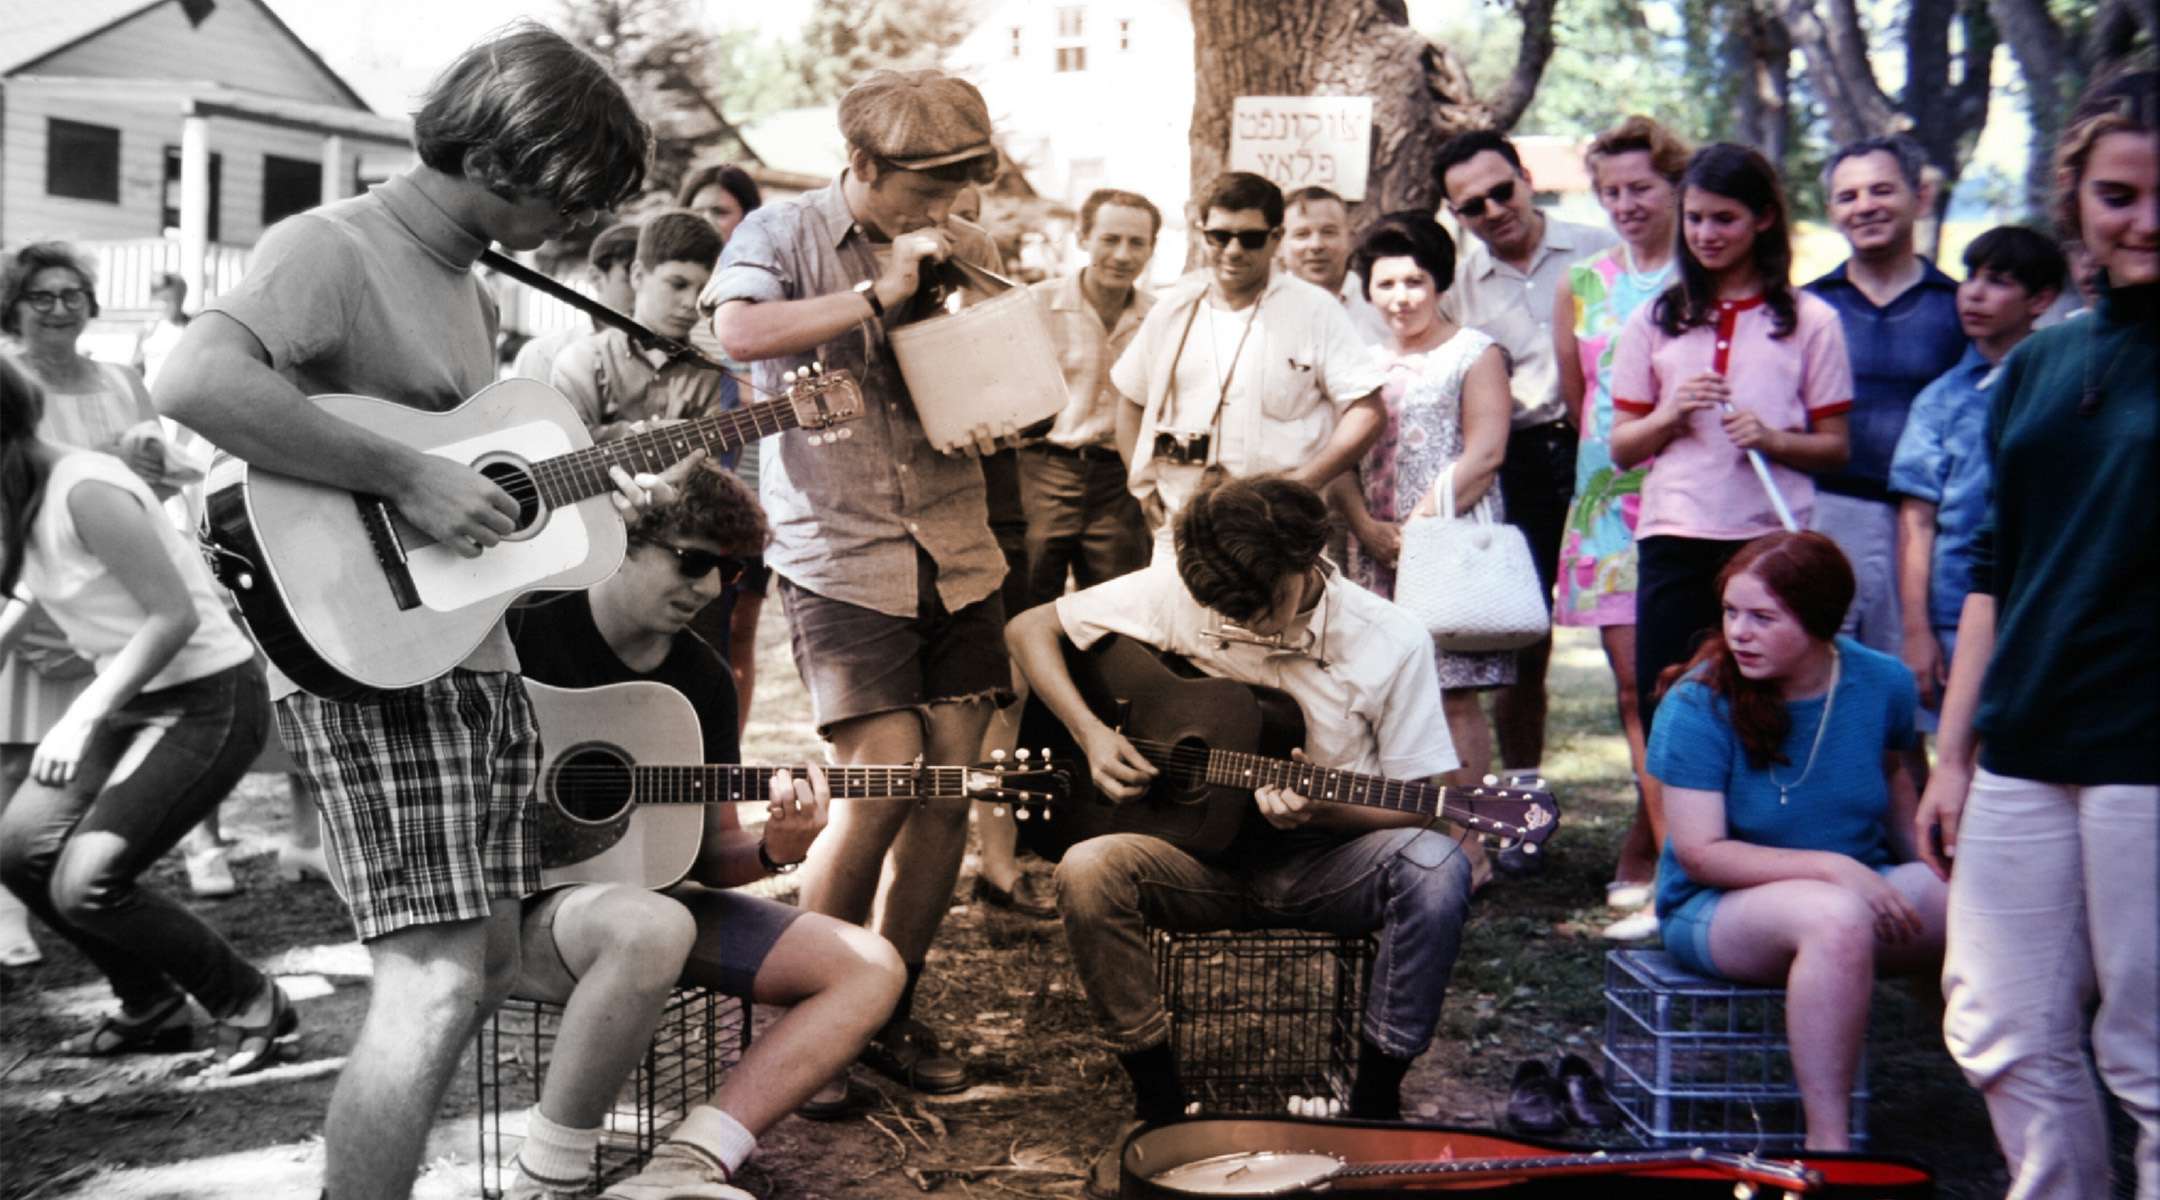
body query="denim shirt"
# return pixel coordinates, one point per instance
(848, 513)
(1897, 349)
(1942, 458)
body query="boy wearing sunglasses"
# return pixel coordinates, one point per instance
(610, 953)
(1244, 366)
(1504, 285)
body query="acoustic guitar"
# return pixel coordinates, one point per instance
(1216, 740)
(350, 600)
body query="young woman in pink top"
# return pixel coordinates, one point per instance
(1729, 359)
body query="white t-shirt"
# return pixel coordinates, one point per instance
(1374, 708)
(90, 606)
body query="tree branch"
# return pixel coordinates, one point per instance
(1836, 56)
(1513, 99)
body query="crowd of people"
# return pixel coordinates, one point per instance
(1811, 521)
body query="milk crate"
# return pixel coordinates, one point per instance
(701, 1034)
(1696, 1061)
(1258, 1017)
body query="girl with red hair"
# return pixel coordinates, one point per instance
(1790, 858)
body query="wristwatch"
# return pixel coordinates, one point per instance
(765, 860)
(867, 289)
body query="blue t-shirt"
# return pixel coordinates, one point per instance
(1942, 458)
(1896, 349)
(1842, 803)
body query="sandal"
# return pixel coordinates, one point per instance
(164, 1028)
(258, 1043)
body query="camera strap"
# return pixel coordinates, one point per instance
(1222, 396)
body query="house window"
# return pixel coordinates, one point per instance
(1124, 35)
(290, 185)
(82, 162)
(1016, 41)
(1068, 21)
(1072, 58)
(170, 220)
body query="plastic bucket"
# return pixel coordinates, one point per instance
(988, 368)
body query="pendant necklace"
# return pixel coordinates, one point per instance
(1784, 790)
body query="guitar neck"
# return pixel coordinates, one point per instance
(582, 474)
(714, 783)
(1791, 1175)
(1228, 768)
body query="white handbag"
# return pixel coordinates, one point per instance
(1470, 579)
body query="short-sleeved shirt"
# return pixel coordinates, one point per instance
(83, 597)
(847, 514)
(560, 645)
(1374, 708)
(1701, 485)
(1365, 316)
(375, 296)
(1841, 805)
(1516, 309)
(1942, 458)
(608, 380)
(1300, 364)
(1897, 349)
(1086, 352)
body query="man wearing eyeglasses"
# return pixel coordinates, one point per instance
(1244, 366)
(610, 953)
(1504, 286)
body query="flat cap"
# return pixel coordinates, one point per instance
(916, 119)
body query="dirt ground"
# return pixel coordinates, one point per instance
(1000, 987)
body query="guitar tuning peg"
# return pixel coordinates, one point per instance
(1022, 813)
(1492, 781)
(787, 377)
(846, 431)
(997, 810)
(999, 755)
(817, 368)
(1024, 752)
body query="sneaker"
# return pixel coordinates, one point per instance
(525, 1187)
(908, 1053)
(1628, 896)
(209, 875)
(678, 1171)
(1635, 927)
(1106, 1174)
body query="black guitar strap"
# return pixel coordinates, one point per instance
(597, 311)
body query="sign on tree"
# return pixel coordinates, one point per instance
(1304, 141)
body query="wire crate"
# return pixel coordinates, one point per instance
(1258, 1017)
(1697, 1061)
(701, 1033)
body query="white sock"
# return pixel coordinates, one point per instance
(556, 1154)
(716, 1135)
(736, 1144)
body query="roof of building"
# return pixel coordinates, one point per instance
(39, 29)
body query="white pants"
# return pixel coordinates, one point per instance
(2055, 897)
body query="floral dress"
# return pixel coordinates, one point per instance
(1423, 435)
(1597, 553)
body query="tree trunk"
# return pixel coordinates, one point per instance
(1759, 56)
(2043, 56)
(1835, 50)
(1947, 114)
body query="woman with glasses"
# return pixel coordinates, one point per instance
(1448, 407)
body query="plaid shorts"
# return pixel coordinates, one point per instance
(425, 794)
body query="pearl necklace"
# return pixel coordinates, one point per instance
(1784, 790)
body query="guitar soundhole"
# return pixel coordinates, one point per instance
(592, 784)
(1185, 775)
(513, 478)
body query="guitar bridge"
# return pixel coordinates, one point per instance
(377, 518)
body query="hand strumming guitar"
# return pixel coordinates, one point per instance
(1121, 772)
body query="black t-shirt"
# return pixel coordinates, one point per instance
(558, 644)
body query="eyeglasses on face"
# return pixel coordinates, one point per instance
(1502, 192)
(1251, 239)
(76, 299)
(695, 564)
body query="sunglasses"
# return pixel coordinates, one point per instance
(76, 299)
(1474, 208)
(1251, 239)
(695, 564)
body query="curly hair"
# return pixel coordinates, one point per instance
(23, 266)
(1639, 134)
(1238, 539)
(714, 507)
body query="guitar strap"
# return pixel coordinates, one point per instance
(600, 312)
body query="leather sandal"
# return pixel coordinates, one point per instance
(165, 1028)
(258, 1043)
(909, 1054)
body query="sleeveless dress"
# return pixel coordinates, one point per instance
(1423, 435)
(32, 698)
(1597, 553)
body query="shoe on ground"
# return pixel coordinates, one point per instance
(1537, 1103)
(295, 863)
(525, 1187)
(1588, 1104)
(1629, 896)
(1030, 896)
(1106, 1174)
(209, 873)
(1635, 927)
(836, 1101)
(908, 1053)
(678, 1171)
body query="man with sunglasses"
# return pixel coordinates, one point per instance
(1504, 286)
(611, 953)
(1244, 366)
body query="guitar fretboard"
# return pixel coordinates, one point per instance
(582, 474)
(707, 784)
(1227, 768)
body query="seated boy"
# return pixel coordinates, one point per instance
(1940, 471)
(610, 953)
(607, 269)
(1249, 551)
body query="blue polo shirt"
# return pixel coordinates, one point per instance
(1896, 349)
(1942, 458)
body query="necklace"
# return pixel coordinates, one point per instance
(1784, 790)
(2089, 403)
(1643, 280)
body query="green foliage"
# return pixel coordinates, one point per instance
(845, 40)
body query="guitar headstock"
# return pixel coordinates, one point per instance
(822, 398)
(1025, 780)
(1516, 814)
